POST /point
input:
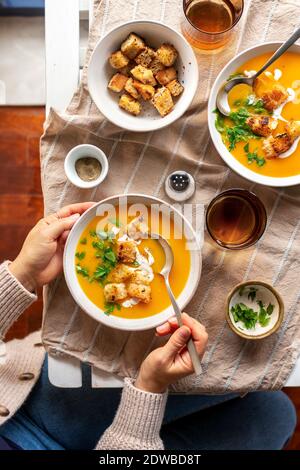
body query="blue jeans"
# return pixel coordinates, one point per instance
(55, 418)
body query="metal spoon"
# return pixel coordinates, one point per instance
(222, 101)
(165, 273)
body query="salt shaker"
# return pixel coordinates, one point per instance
(180, 186)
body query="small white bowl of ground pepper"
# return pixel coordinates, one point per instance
(86, 166)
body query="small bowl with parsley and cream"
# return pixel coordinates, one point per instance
(254, 310)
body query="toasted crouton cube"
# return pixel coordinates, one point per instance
(126, 250)
(130, 105)
(167, 54)
(146, 91)
(272, 93)
(162, 100)
(274, 146)
(293, 129)
(143, 75)
(132, 46)
(175, 87)
(137, 228)
(141, 276)
(118, 60)
(262, 125)
(156, 66)
(121, 273)
(131, 89)
(145, 57)
(117, 82)
(114, 292)
(166, 76)
(140, 291)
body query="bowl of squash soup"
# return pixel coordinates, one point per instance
(112, 261)
(260, 139)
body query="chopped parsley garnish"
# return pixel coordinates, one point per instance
(251, 292)
(93, 233)
(80, 255)
(104, 253)
(110, 307)
(235, 75)
(239, 131)
(220, 121)
(253, 156)
(99, 245)
(83, 271)
(250, 317)
(83, 241)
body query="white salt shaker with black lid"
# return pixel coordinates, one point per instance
(180, 186)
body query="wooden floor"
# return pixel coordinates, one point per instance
(21, 205)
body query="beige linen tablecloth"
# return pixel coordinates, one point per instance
(230, 363)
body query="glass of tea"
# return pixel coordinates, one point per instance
(208, 24)
(236, 219)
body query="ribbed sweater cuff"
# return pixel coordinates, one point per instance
(14, 298)
(137, 422)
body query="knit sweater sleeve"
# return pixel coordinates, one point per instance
(14, 299)
(137, 422)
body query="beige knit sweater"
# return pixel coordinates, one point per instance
(138, 419)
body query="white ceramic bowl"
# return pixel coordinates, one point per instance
(100, 72)
(80, 151)
(231, 161)
(123, 323)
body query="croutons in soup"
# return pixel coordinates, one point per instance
(117, 265)
(263, 129)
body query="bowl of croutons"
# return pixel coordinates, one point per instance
(143, 75)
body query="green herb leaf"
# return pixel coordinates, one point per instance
(270, 309)
(253, 156)
(99, 245)
(83, 241)
(245, 315)
(220, 121)
(93, 233)
(110, 306)
(83, 271)
(109, 255)
(80, 255)
(235, 75)
(252, 293)
(101, 271)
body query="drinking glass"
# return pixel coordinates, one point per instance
(209, 24)
(236, 219)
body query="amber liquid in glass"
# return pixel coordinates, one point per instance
(208, 23)
(236, 220)
(211, 16)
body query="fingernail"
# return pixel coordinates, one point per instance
(185, 332)
(160, 328)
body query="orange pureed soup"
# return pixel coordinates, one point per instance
(289, 66)
(159, 296)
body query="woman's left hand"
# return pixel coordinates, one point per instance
(41, 257)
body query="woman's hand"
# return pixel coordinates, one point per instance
(167, 364)
(41, 257)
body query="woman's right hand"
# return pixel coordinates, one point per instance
(171, 362)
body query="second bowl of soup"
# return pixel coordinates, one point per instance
(260, 138)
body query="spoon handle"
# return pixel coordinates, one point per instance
(190, 345)
(279, 51)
